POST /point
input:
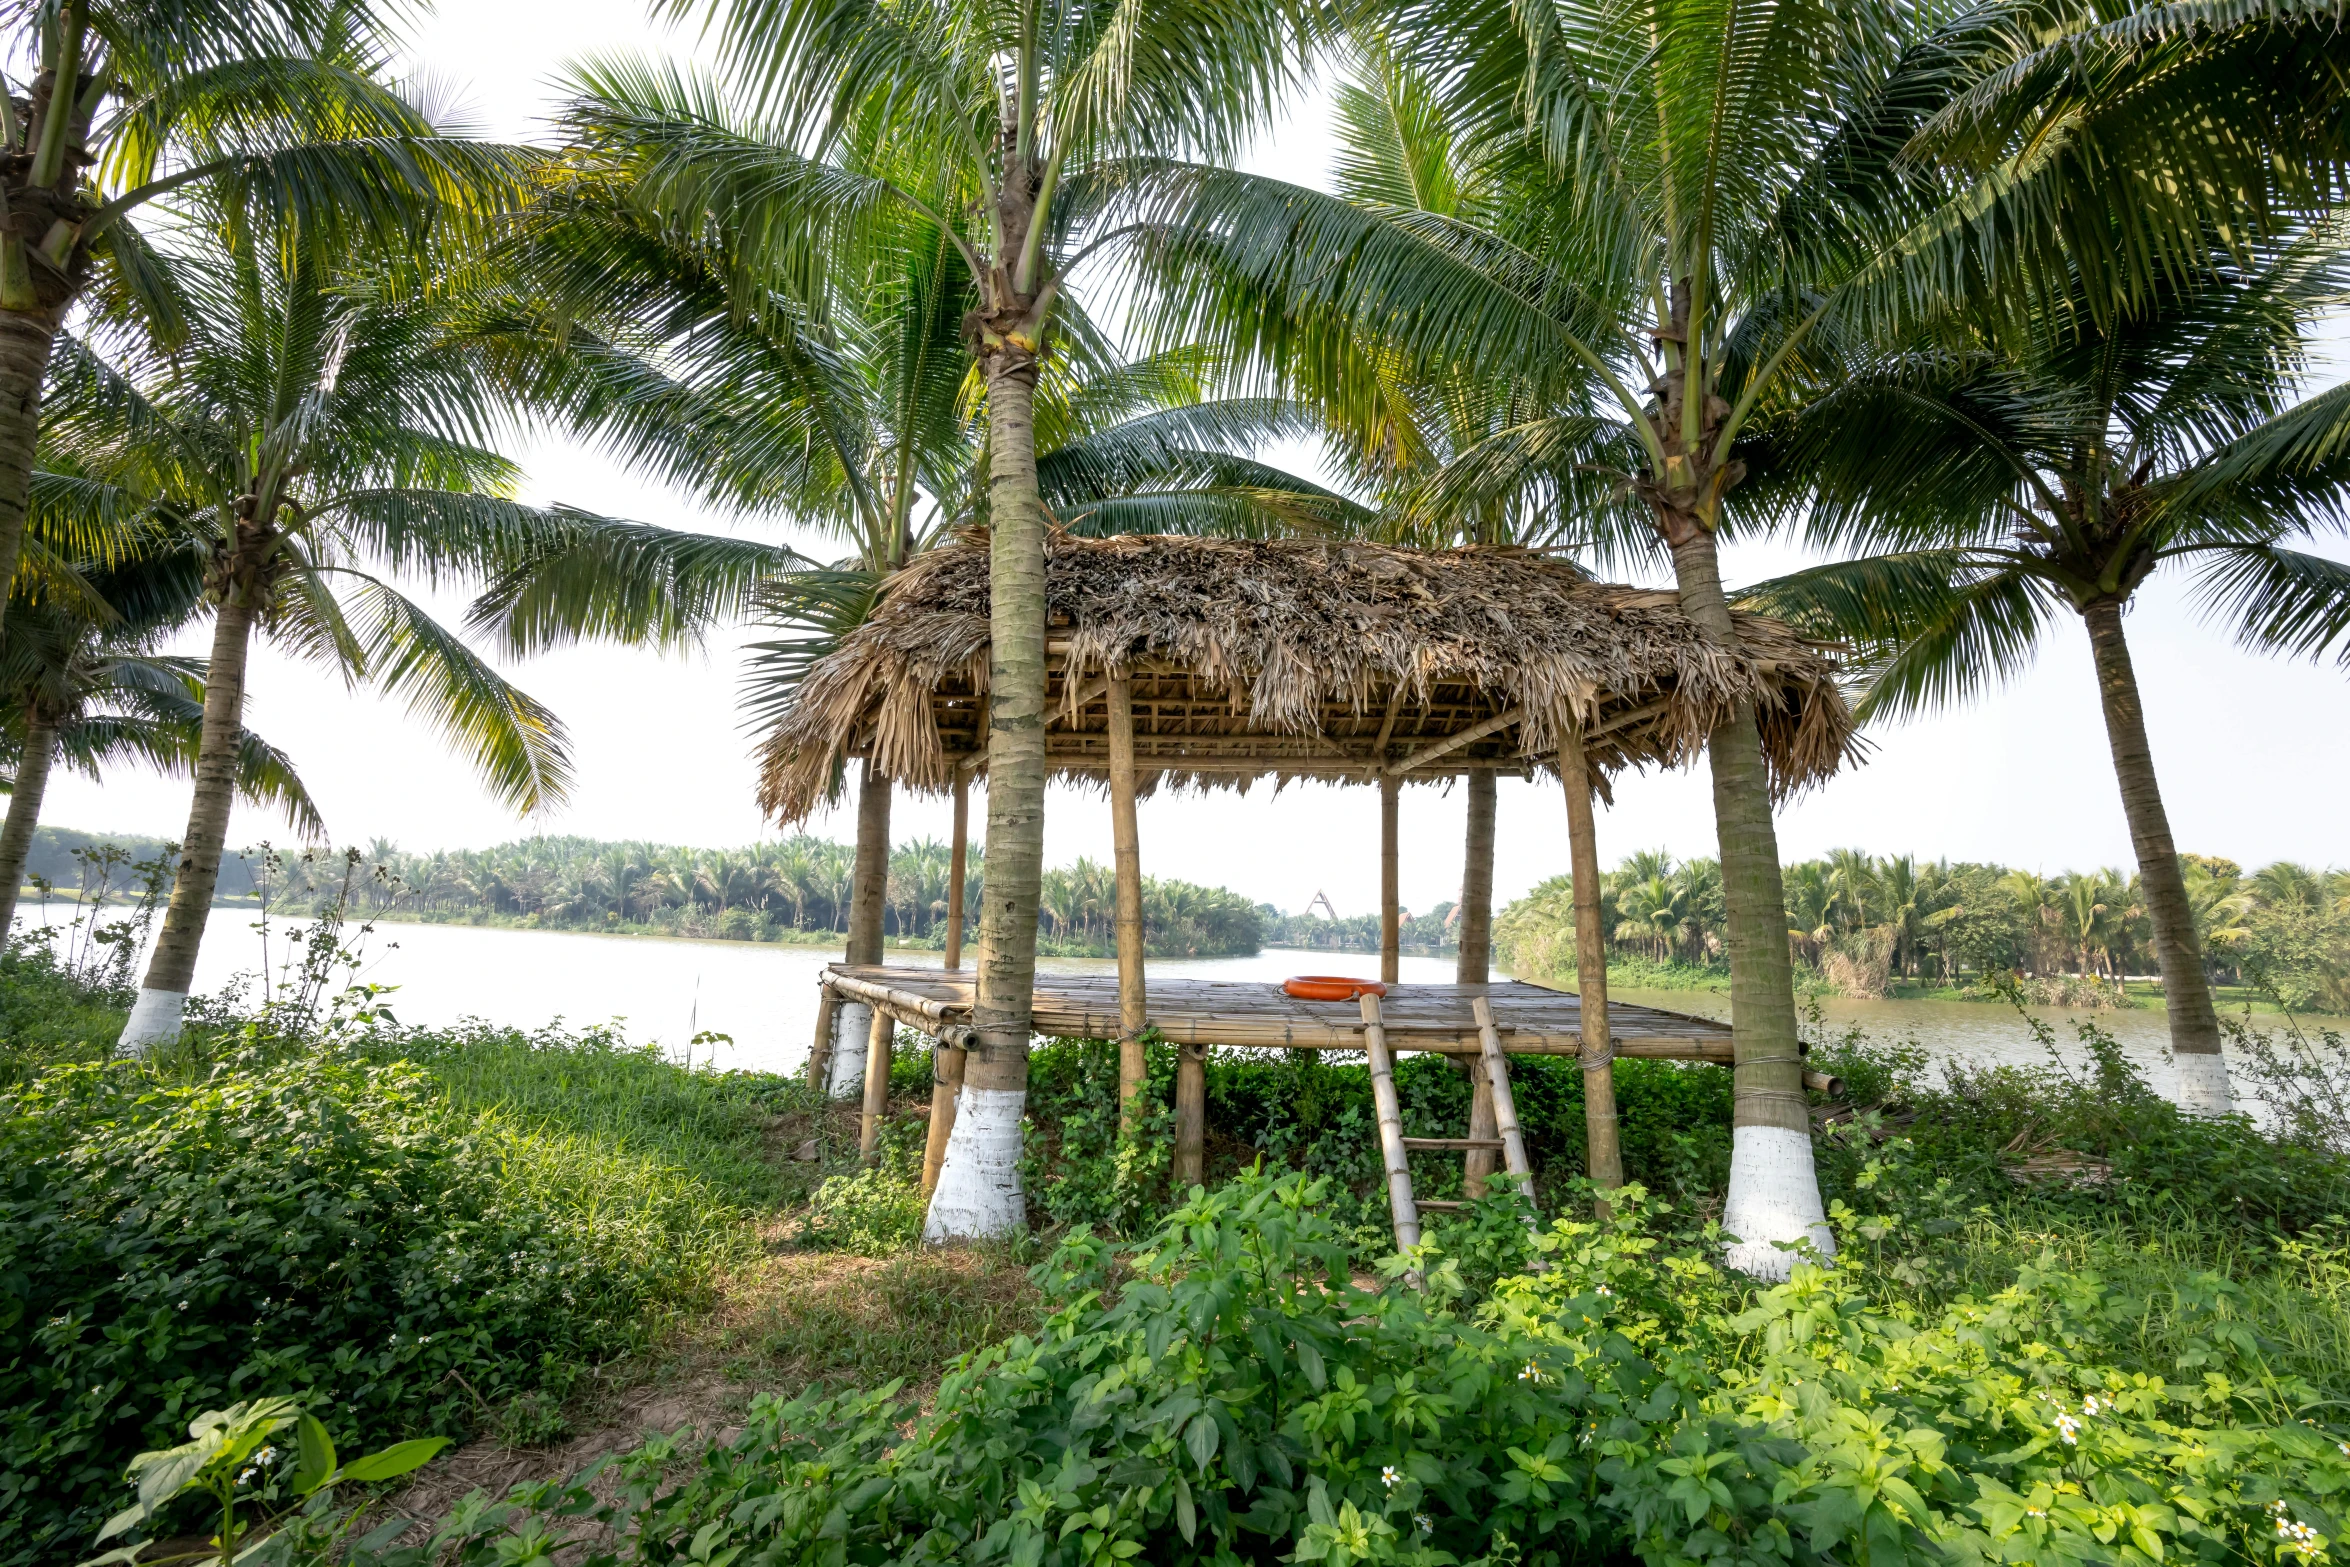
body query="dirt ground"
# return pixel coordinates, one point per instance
(786, 1321)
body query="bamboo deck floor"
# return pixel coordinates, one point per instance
(1530, 1019)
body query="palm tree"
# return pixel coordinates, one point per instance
(82, 684)
(278, 99)
(2058, 469)
(1002, 133)
(1700, 207)
(317, 413)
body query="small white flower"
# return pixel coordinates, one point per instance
(2088, 1406)
(1604, 1290)
(1527, 1373)
(2068, 1428)
(1425, 1522)
(2037, 1512)
(1388, 1474)
(183, 1305)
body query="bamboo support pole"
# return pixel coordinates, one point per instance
(946, 1084)
(1391, 1149)
(877, 1053)
(1133, 999)
(1603, 1154)
(1505, 1103)
(1191, 1116)
(1390, 880)
(820, 1047)
(956, 863)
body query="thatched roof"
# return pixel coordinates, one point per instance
(1302, 658)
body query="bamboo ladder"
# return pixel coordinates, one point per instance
(1396, 1149)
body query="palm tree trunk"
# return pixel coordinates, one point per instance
(24, 810)
(26, 338)
(163, 996)
(979, 1182)
(868, 906)
(1474, 964)
(1774, 1190)
(2194, 1020)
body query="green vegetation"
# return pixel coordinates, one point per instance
(1860, 925)
(407, 1232)
(1227, 1390)
(418, 1234)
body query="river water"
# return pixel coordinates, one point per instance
(763, 997)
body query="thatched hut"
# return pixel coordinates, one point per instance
(1302, 658)
(1213, 663)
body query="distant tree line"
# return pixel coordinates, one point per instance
(1862, 922)
(795, 888)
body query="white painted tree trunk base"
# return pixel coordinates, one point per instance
(852, 1027)
(978, 1192)
(1774, 1196)
(155, 1020)
(2203, 1084)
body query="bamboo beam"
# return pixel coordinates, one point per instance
(978, 758)
(1133, 1001)
(1603, 1155)
(927, 1008)
(1390, 880)
(1451, 743)
(957, 860)
(1390, 1111)
(1087, 694)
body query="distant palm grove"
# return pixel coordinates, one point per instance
(1865, 925)
(792, 889)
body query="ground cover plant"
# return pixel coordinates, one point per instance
(1236, 1394)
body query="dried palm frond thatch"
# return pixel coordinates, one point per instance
(1302, 658)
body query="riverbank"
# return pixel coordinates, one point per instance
(547, 1242)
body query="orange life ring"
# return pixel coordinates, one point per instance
(1330, 987)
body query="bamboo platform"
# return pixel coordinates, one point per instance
(1258, 1014)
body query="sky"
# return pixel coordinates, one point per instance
(2252, 751)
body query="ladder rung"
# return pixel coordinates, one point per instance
(1452, 1142)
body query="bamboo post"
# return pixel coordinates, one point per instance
(877, 1051)
(1603, 1143)
(1191, 1116)
(1390, 880)
(1391, 1150)
(1133, 999)
(1496, 1072)
(820, 1047)
(956, 862)
(946, 1081)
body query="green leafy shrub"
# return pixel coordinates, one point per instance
(873, 1212)
(1239, 1399)
(323, 1225)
